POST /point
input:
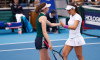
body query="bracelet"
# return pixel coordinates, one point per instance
(66, 26)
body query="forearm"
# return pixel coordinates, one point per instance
(46, 37)
(55, 24)
(70, 27)
(73, 27)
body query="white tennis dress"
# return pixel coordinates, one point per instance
(75, 38)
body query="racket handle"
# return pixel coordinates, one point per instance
(46, 43)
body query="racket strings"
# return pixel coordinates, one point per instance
(57, 56)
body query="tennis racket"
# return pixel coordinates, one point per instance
(57, 55)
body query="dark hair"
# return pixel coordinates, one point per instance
(53, 11)
(39, 7)
(76, 8)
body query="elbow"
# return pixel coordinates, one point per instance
(74, 28)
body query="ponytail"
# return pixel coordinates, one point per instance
(76, 9)
(39, 7)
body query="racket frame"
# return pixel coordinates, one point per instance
(54, 51)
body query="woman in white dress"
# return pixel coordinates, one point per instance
(75, 39)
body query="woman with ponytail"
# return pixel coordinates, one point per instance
(75, 39)
(42, 35)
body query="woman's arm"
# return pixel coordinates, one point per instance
(52, 24)
(71, 27)
(74, 26)
(42, 20)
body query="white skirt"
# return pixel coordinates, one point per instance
(78, 41)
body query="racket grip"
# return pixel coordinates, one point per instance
(46, 43)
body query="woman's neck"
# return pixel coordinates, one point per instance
(73, 13)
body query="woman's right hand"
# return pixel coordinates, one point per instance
(62, 24)
(50, 46)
